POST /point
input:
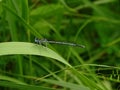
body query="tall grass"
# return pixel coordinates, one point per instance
(26, 65)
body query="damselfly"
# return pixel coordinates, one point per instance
(44, 41)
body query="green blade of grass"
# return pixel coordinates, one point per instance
(23, 87)
(6, 78)
(66, 84)
(14, 83)
(11, 48)
(32, 30)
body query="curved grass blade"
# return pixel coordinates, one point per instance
(11, 48)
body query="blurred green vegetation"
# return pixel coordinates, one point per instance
(93, 23)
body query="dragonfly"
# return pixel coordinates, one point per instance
(45, 41)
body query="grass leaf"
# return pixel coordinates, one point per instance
(11, 48)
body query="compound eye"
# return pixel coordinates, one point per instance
(36, 40)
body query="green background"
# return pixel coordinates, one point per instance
(26, 65)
